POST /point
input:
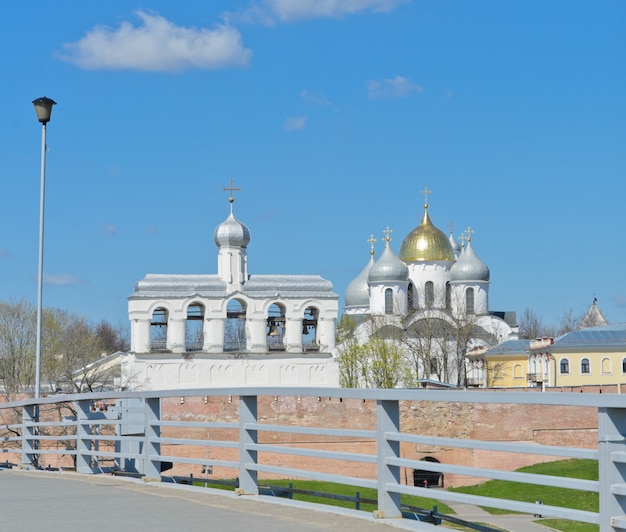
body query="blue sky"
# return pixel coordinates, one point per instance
(331, 116)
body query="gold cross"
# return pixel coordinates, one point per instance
(469, 231)
(426, 192)
(231, 189)
(387, 232)
(371, 240)
(451, 226)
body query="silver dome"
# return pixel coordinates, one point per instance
(231, 232)
(388, 268)
(358, 293)
(469, 267)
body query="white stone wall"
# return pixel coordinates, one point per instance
(162, 371)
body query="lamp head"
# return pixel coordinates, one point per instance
(43, 108)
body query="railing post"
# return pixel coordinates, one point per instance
(29, 431)
(247, 414)
(612, 467)
(83, 437)
(152, 431)
(387, 420)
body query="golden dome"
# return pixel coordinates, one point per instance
(426, 242)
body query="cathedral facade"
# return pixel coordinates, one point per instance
(231, 328)
(432, 298)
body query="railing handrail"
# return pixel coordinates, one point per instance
(399, 394)
(141, 412)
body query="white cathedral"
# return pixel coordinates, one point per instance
(433, 287)
(236, 329)
(231, 328)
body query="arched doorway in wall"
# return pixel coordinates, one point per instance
(425, 478)
(235, 326)
(194, 327)
(309, 330)
(275, 328)
(158, 329)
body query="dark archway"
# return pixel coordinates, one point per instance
(425, 478)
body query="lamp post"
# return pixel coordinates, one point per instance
(43, 108)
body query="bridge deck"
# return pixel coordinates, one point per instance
(58, 502)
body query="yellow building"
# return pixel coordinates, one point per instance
(592, 356)
(502, 366)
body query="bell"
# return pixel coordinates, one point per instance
(274, 330)
(305, 329)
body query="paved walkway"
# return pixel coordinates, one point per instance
(65, 502)
(510, 522)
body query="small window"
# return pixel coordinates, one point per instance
(469, 301)
(565, 366)
(584, 366)
(448, 296)
(410, 300)
(623, 365)
(388, 301)
(518, 372)
(429, 294)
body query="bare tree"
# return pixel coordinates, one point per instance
(531, 326)
(17, 346)
(112, 339)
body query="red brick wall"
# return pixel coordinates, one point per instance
(546, 425)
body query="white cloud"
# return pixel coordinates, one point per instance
(62, 279)
(271, 11)
(315, 98)
(110, 229)
(294, 123)
(158, 45)
(398, 87)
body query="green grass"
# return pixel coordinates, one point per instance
(339, 489)
(564, 497)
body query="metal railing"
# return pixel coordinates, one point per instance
(128, 430)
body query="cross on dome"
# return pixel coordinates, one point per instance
(371, 240)
(387, 232)
(469, 231)
(426, 192)
(231, 189)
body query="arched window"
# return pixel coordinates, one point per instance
(564, 366)
(235, 327)
(448, 296)
(309, 329)
(469, 301)
(194, 327)
(584, 366)
(410, 299)
(429, 294)
(623, 365)
(388, 301)
(518, 371)
(606, 365)
(276, 328)
(158, 329)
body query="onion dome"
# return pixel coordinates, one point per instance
(357, 293)
(231, 232)
(456, 247)
(426, 242)
(388, 268)
(469, 267)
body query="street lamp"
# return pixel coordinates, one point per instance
(43, 108)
